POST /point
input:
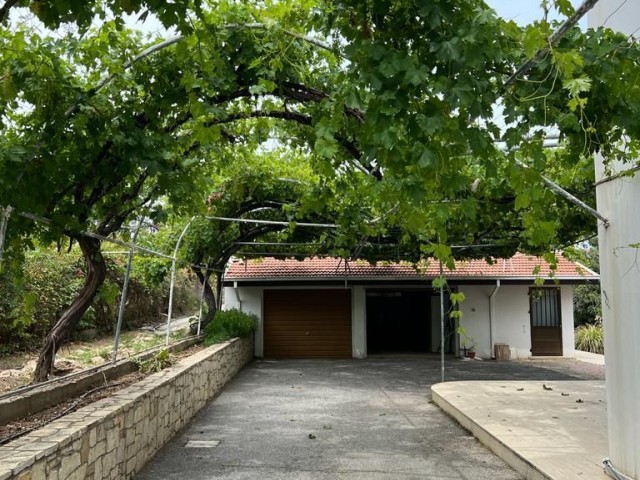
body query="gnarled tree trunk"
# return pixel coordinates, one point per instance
(59, 334)
(210, 297)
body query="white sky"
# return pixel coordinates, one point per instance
(524, 12)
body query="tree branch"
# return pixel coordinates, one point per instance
(4, 10)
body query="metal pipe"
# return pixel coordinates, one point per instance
(278, 244)
(441, 324)
(273, 222)
(492, 316)
(580, 12)
(123, 295)
(173, 278)
(97, 236)
(563, 193)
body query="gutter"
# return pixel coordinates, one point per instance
(492, 316)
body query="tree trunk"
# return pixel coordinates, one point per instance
(210, 298)
(59, 334)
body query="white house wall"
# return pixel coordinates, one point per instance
(475, 317)
(511, 322)
(250, 301)
(568, 337)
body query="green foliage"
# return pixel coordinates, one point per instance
(468, 343)
(32, 299)
(590, 338)
(157, 362)
(387, 121)
(587, 300)
(229, 324)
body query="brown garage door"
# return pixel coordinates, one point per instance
(307, 323)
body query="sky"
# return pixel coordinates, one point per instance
(524, 11)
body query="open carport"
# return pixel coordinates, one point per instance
(328, 419)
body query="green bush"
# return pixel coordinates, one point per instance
(229, 324)
(157, 362)
(33, 297)
(590, 338)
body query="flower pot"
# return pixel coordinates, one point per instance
(471, 354)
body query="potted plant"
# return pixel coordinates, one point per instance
(468, 343)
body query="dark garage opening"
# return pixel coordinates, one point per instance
(399, 321)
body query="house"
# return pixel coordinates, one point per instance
(329, 307)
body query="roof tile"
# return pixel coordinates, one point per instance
(518, 266)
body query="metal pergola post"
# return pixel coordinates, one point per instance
(173, 278)
(441, 324)
(123, 295)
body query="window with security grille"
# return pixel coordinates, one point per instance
(545, 307)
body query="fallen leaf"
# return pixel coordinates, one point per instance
(546, 388)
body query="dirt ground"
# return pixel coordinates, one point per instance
(17, 370)
(22, 426)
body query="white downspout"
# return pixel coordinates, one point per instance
(235, 289)
(492, 316)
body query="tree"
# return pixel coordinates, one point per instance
(55, 13)
(395, 103)
(106, 149)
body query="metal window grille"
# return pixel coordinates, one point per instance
(545, 307)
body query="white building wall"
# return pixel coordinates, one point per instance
(568, 337)
(475, 317)
(248, 300)
(511, 321)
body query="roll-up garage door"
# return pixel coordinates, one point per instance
(307, 323)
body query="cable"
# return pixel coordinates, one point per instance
(613, 13)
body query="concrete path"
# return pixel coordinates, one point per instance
(544, 429)
(352, 419)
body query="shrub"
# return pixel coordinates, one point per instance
(157, 362)
(33, 295)
(229, 324)
(590, 338)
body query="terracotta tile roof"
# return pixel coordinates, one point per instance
(519, 266)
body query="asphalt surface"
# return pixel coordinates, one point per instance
(349, 419)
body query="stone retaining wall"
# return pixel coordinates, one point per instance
(114, 437)
(48, 394)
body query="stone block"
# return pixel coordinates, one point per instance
(38, 471)
(93, 437)
(69, 464)
(84, 449)
(21, 461)
(97, 469)
(112, 439)
(24, 476)
(108, 463)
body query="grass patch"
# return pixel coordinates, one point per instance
(158, 361)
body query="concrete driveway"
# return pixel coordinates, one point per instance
(351, 419)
